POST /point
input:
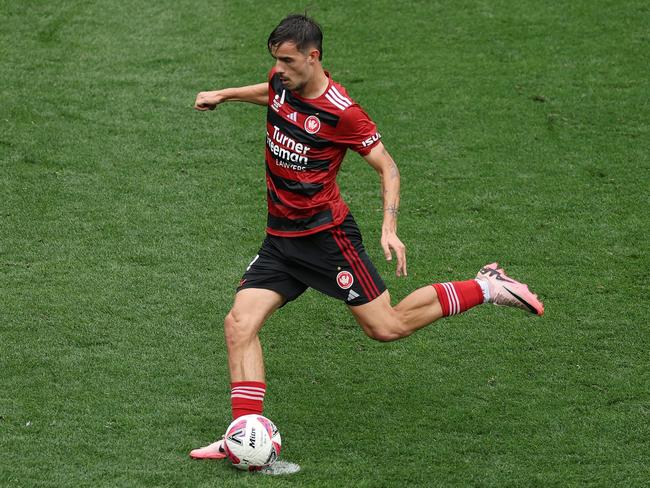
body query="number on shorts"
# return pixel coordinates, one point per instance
(253, 262)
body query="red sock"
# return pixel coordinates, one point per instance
(458, 296)
(247, 397)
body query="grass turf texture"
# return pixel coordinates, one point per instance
(521, 132)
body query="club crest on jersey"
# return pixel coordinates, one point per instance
(312, 124)
(344, 279)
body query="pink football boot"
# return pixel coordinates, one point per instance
(215, 450)
(507, 292)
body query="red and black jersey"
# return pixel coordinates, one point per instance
(306, 141)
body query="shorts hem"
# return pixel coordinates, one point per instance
(253, 286)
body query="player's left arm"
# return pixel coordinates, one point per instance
(383, 163)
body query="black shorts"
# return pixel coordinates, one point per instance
(333, 262)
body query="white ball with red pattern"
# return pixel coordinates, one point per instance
(252, 442)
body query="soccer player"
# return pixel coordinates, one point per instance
(312, 239)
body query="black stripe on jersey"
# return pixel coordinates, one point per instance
(274, 197)
(289, 225)
(300, 106)
(318, 165)
(295, 132)
(307, 189)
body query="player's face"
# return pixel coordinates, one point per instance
(294, 66)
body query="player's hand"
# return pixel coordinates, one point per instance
(208, 100)
(390, 242)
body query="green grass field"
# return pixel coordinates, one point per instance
(522, 132)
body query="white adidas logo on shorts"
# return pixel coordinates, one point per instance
(352, 295)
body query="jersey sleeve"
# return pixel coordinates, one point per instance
(357, 130)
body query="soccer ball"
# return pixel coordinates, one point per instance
(252, 442)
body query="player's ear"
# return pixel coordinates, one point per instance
(314, 55)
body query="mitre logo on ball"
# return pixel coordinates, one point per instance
(345, 279)
(312, 124)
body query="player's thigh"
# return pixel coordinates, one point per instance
(377, 317)
(252, 307)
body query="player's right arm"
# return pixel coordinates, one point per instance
(257, 94)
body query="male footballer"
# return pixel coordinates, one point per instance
(312, 239)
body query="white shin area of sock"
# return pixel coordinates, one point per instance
(486, 290)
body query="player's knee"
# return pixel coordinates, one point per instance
(387, 331)
(238, 328)
(382, 335)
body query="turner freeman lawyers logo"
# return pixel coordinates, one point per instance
(312, 124)
(288, 152)
(344, 279)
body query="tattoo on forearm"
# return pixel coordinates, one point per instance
(392, 209)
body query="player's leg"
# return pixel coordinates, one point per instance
(383, 322)
(264, 288)
(249, 312)
(359, 284)
(335, 262)
(252, 307)
(424, 306)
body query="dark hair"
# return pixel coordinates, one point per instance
(299, 29)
